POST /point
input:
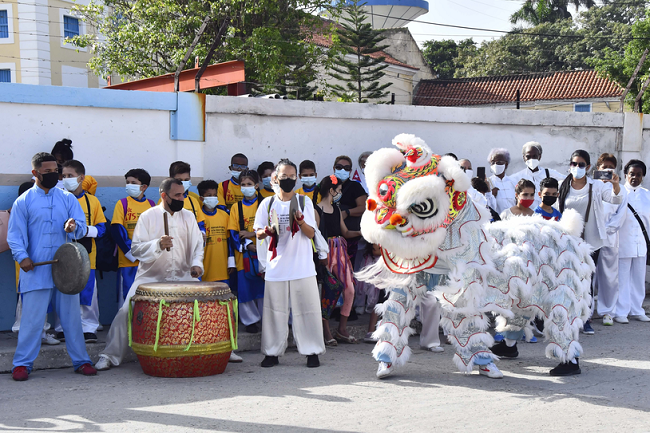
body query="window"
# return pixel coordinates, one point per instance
(582, 108)
(4, 24)
(70, 26)
(5, 75)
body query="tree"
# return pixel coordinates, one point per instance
(536, 12)
(579, 42)
(619, 66)
(145, 38)
(441, 55)
(362, 73)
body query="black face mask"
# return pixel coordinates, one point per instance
(287, 185)
(175, 205)
(549, 200)
(49, 180)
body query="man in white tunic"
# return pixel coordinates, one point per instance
(532, 153)
(183, 261)
(503, 188)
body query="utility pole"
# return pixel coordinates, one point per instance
(629, 84)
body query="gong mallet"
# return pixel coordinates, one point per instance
(166, 227)
(49, 262)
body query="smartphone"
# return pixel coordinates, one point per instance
(603, 174)
(480, 172)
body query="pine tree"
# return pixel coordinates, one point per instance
(360, 75)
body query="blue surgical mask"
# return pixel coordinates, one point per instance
(309, 180)
(248, 191)
(342, 174)
(187, 184)
(210, 202)
(133, 190)
(267, 182)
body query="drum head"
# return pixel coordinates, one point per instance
(71, 272)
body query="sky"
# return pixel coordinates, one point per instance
(485, 14)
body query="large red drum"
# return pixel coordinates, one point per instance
(185, 329)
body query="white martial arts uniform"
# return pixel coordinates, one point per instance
(536, 177)
(632, 254)
(290, 284)
(505, 198)
(156, 265)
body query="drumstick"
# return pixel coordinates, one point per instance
(49, 262)
(166, 227)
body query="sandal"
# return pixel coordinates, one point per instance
(343, 339)
(331, 343)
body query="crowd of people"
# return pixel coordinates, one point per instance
(290, 254)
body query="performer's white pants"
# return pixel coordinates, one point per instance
(117, 341)
(631, 292)
(606, 280)
(430, 311)
(301, 296)
(89, 316)
(251, 312)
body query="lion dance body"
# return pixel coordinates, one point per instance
(420, 214)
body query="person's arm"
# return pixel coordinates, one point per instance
(145, 245)
(77, 214)
(360, 208)
(121, 238)
(306, 219)
(196, 245)
(17, 235)
(98, 227)
(348, 234)
(260, 226)
(615, 194)
(231, 252)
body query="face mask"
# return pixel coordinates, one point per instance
(498, 169)
(248, 191)
(133, 190)
(276, 188)
(175, 205)
(71, 184)
(267, 182)
(235, 174)
(210, 202)
(526, 203)
(337, 197)
(578, 173)
(49, 180)
(309, 180)
(187, 184)
(470, 173)
(342, 174)
(532, 163)
(549, 200)
(287, 185)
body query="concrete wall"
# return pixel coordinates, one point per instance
(111, 134)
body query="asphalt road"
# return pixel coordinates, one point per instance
(343, 395)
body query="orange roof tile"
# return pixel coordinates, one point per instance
(503, 89)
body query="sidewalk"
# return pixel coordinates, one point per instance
(57, 356)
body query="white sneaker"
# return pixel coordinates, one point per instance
(434, 349)
(640, 318)
(100, 327)
(490, 371)
(50, 340)
(360, 310)
(235, 358)
(621, 319)
(103, 364)
(384, 370)
(607, 320)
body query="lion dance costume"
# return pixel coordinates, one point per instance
(418, 211)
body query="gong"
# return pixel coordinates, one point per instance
(70, 268)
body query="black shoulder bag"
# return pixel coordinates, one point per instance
(645, 234)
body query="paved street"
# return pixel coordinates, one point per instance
(343, 395)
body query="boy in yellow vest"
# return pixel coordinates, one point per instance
(181, 170)
(307, 172)
(230, 190)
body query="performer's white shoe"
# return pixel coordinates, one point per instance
(235, 358)
(490, 371)
(384, 370)
(50, 340)
(103, 364)
(435, 349)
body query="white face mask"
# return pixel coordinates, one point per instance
(248, 191)
(71, 183)
(578, 173)
(532, 163)
(308, 180)
(133, 190)
(235, 174)
(470, 173)
(187, 184)
(498, 169)
(210, 202)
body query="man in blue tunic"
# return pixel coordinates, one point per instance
(40, 220)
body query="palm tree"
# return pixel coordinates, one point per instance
(536, 12)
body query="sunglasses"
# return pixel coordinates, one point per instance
(577, 164)
(343, 167)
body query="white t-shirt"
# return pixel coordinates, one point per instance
(295, 259)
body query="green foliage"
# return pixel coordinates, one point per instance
(441, 55)
(592, 35)
(619, 66)
(145, 38)
(361, 71)
(536, 12)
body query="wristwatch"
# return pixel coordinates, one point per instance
(347, 211)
